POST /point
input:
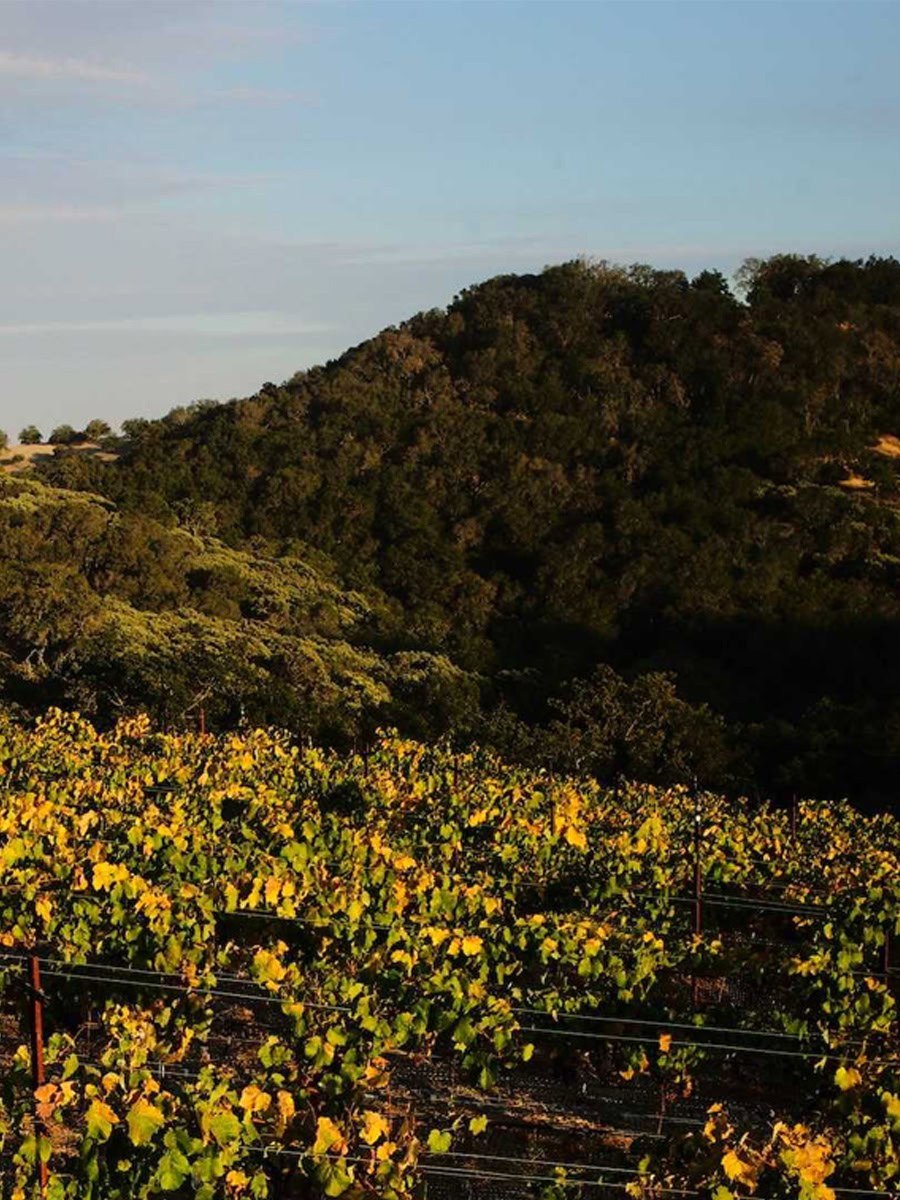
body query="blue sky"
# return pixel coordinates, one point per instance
(201, 195)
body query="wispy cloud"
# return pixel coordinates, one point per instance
(25, 66)
(259, 95)
(56, 214)
(233, 324)
(449, 252)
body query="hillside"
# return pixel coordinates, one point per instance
(598, 467)
(111, 612)
(20, 456)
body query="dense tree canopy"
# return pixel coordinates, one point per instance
(593, 466)
(112, 613)
(63, 435)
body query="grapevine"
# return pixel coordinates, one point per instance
(254, 953)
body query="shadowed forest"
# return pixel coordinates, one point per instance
(603, 519)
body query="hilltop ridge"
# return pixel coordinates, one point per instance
(597, 468)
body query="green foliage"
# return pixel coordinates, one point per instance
(116, 613)
(64, 435)
(96, 429)
(638, 730)
(30, 436)
(595, 465)
(267, 971)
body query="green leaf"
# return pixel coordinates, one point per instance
(464, 1034)
(439, 1142)
(174, 1168)
(224, 1127)
(334, 1179)
(144, 1120)
(338, 1183)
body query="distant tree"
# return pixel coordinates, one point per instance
(711, 281)
(640, 730)
(782, 277)
(96, 429)
(4, 440)
(135, 428)
(31, 436)
(63, 435)
(197, 516)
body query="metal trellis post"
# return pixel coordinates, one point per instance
(698, 883)
(36, 1022)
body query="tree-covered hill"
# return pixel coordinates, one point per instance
(113, 612)
(596, 467)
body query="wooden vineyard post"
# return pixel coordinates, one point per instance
(794, 819)
(698, 884)
(36, 1023)
(202, 721)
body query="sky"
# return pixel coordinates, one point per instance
(198, 196)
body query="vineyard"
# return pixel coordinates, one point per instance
(234, 966)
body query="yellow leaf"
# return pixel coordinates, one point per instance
(575, 837)
(374, 1127)
(847, 1078)
(736, 1168)
(267, 966)
(665, 1041)
(286, 1111)
(106, 874)
(472, 945)
(328, 1137)
(100, 1120)
(236, 1179)
(254, 1099)
(144, 1120)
